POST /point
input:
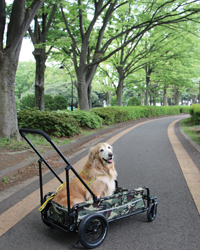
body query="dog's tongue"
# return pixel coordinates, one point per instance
(109, 160)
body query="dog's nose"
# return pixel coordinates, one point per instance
(110, 155)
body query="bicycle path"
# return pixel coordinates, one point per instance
(145, 154)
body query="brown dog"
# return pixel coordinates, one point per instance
(98, 173)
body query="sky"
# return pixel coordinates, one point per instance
(26, 51)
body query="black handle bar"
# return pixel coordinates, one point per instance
(68, 167)
(34, 131)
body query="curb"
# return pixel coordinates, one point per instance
(194, 144)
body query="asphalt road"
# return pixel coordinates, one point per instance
(143, 157)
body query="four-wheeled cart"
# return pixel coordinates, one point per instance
(90, 219)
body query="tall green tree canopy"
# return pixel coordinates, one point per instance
(93, 27)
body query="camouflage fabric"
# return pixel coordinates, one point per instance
(124, 202)
(59, 214)
(115, 206)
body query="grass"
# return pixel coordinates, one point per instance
(193, 131)
(39, 141)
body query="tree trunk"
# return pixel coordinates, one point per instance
(108, 98)
(154, 99)
(90, 95)
(177, 97)
(142, 99)
(82, 89)
(165, 96)
(147, 89)
(8, 112)
(40, 59)
(119, 91)
(20, 20)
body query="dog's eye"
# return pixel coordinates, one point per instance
(101, 150)
(109, 147)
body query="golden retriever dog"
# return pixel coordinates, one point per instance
(98, 173)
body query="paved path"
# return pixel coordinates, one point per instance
(148, 154)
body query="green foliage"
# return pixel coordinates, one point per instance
(53, 123)
(116, 114)
(133, 101)
(28, 101)
(24, 78)
(67, 123)
(49, 102)
(5, 180)
(111, 115)
(87, 119)
(195, 113)
(60, 102)
(184, 109)
(113, 101)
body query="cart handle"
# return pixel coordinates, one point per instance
(34, 131)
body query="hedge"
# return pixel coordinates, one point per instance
(58, 123)
(67, 123)
(116, 114)
(53, 123)
(195, 113)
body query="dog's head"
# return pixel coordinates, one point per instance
(102, 151)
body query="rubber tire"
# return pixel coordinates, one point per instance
(90, 226)
(151, 212)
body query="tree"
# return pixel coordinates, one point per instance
(104, 82)
(19, 21)
(91, 29)
(39, 36)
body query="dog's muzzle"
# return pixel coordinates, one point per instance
(110, 158)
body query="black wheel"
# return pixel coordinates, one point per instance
(93, 230)
(151, 212)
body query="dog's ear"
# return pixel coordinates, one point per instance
(92, 154)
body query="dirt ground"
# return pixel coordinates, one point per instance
(9, 158)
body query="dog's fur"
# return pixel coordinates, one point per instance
(100, 170)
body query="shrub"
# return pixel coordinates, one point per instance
(184, 109)
(49, 102)
(133, 101)
(106, 114)
(195, 113)
(115, 114)
(52, 123)
(87, 119)
(28, 101)
(60, 102)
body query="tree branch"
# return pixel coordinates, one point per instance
(80, 20)
(50, 20)
(22, 24)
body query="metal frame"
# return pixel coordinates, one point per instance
(71, 211)
(67, 168)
